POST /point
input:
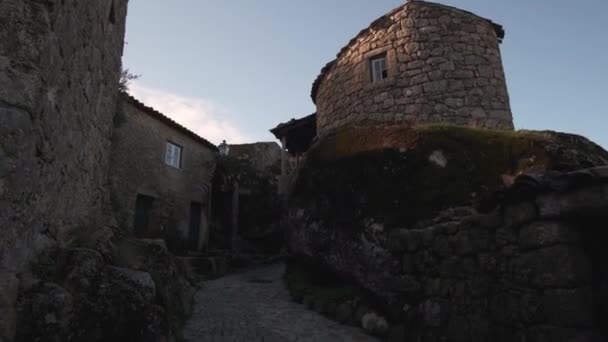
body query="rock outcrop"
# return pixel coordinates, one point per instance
(65, 275)
(76, 295)
(59, 69)
(417, 218)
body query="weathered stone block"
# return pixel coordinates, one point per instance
(458, 329)
(141, 282)
(83, 265)
(478, 113)
(433, 314)
(441, 246)
(580, 201)
(454, 102)
(487, 262)
(491, 221)
(48, 312)
(451, 267)
(435, 86)
(519, 213)
(427, 236)
(396, 333)
(9, 286)
(407, 263)
(559, 266)
(546, 233)
(505, 236)
(550, 333)
(318, 305)
(375, 324)
(470, 241)
(344, 312)
(571, 308)
(408, 285)
(480, 328)
(404, 240)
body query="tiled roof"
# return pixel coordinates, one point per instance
(284, 127)
(168, 121)
(317, 83)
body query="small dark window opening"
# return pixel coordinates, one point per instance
(378, 68)
(143, 208)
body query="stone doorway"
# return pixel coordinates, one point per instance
(196, 211)
(143, 208)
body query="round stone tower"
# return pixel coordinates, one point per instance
(421, 63)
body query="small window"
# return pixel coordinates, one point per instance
(378, 68)
(173, 155)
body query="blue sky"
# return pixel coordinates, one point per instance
(235, 68)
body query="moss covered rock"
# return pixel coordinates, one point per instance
(76, 295)
(359, 187)
(401, 175)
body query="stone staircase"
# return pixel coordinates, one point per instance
(216, 264)
(210, 265)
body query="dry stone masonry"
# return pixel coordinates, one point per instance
(531, 270)
(445, 259)
(443, 66)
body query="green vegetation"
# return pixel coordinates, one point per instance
(87, 236)
(304, 281)
(385, 173)
(45, 266)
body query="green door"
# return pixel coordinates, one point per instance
(196, 209)
(143, 207)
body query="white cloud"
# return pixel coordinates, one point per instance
(199, 115)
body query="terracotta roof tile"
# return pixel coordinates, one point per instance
(168, 121)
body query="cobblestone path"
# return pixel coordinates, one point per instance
(255, 306)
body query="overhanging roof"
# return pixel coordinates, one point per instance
(167, 121)
(298, 133)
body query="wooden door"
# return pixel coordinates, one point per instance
(196, 210)
(143, 207)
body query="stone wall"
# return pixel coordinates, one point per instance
(59, 70)
(138, 168)
(523, 273)
(522, 264)
(531, 270)
(444, 66)
(264, 156)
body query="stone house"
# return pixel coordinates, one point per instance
(161, 175)
(295, 136)
(421, 63)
